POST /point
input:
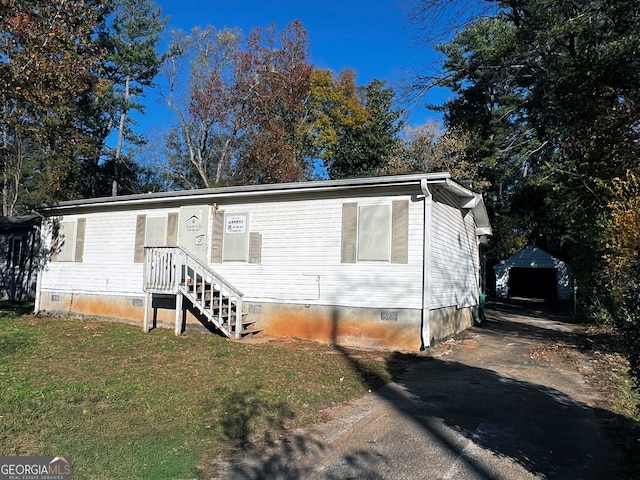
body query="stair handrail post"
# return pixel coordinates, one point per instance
(176, 268)
(238, 317)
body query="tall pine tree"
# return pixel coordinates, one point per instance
(132, 41)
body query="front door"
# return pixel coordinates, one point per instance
(193, 230)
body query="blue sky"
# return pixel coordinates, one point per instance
(372, 37)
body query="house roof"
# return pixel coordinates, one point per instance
(530, 257)
(468, 198)
(19, 222)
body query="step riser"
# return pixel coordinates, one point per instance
(201, 294)
(221, 320)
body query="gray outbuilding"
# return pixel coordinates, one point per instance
(534, 273)
(21, 256)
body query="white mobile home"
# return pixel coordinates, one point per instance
(387, 262)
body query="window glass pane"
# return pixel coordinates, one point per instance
(155, 232)
(16, 252)
(374, 232)
(65, 243)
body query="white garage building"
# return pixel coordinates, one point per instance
(534, 273)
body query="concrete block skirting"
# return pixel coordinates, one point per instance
(370, 328)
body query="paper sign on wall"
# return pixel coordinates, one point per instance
(236, 224)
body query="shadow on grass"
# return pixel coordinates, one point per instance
(15, 309)
(243, 409)
(541, 429)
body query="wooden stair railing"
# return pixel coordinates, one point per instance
(173, 270)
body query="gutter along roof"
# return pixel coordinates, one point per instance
(469, 199)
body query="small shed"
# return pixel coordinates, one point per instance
(20, 244)
(534, 273)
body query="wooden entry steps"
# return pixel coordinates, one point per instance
(173, 270)
(218, 309)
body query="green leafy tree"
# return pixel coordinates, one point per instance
(550, 92)
(48, 77)
(362, 148)
(426, 148)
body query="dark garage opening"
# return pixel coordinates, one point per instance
(533, 282)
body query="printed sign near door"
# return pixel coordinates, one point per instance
(236, 238)
(193, 233)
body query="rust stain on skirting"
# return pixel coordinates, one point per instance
(347, 331)
(106, 308)
(332, 325)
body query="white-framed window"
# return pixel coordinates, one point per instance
(16, 251)
(232, 239)
(155, 234)
(154, 231)
(375, 232)
(68, 241)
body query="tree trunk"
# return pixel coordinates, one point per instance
(121, 126)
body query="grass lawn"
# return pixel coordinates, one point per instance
(129, 405)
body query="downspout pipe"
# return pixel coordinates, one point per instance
(426, 265)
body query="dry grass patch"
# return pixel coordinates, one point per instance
(128, 405)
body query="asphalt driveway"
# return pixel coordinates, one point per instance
(480, 407)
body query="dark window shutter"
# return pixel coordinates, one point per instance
(255, 247)
(349, 232)
(172, 230)
(80, 230)
(400, 232)
(216, 236)
(138, 253)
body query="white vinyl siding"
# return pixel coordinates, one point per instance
(301, 259)
(293, 253)
(108, 265)
(454, 264)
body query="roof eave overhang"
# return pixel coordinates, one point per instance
(214, 195)
(468, 198)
